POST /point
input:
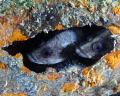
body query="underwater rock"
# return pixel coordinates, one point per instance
(27, 18)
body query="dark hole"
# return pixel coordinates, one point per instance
(69, 5)
(48, 17)
(27, 46)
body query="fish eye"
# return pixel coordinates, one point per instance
(97, 46)
(46, 52)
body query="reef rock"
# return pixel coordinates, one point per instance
(23, 20)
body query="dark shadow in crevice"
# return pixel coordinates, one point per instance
(27, 46)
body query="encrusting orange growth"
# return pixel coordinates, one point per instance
(8, 34)
(43, 87)
(93, 9)
(18, 56)
(114, 29)
(116, 10)
(83, 3)
(26, 69)
(77, 23)
(96, 79)
(11, 94)
(52, 77)
(113, 59)
(86, 70)
(2, 65)
(92, 84)
(59, 27)
(69, 87)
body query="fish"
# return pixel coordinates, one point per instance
(96, 45)
(58, 49)
(70, 66)
(49, 52)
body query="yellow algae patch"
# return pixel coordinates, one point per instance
(11, 94)
(113, 59)
(116, 10)
(86, 71)
(91, 83)
(8, 34)
(77, 23)
(96, 79)
(17, 36)
(52, 77)
(69, 87)
(26, 69)
(83, 3)
(92, 9)
(43, 87)
(36, 1)
(2, 65)
(18, 56)
(59, 27)
(114, 29)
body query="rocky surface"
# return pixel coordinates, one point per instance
(24, 19)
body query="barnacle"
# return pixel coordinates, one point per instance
(23, 20)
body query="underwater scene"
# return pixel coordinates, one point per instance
(59, 47)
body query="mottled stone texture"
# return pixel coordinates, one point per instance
(23, 19)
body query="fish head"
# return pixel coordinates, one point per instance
(49, 52)
(97, 45)
(45, 55)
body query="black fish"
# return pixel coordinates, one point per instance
(62, 47)
(90, 51)
(49, 52)
(97, 45)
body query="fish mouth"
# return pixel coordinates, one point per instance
(83, 53)
(32, 57)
